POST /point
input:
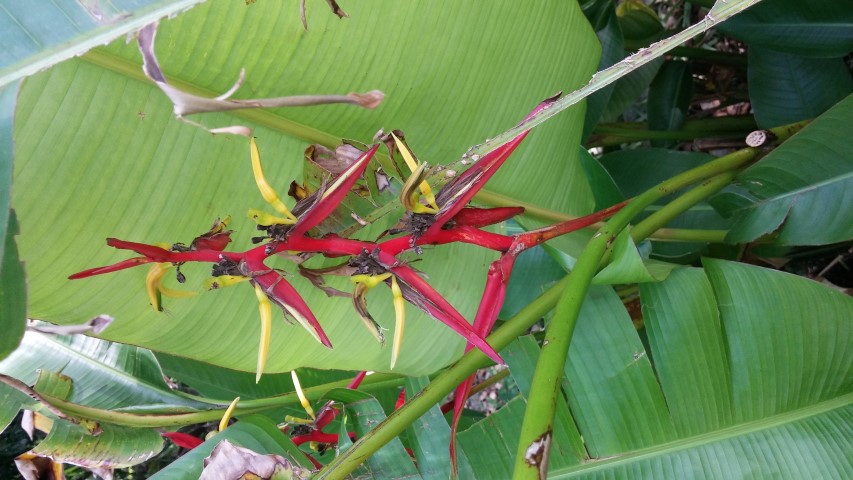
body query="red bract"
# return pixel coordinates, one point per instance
(183, 440)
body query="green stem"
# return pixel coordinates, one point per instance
(680, 205)
(535, 438)
(688, 235)
(716, 127)
(376, 382)
(665, 234)
(722, 11)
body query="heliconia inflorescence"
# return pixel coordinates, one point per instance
(431, 218)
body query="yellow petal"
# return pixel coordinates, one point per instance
(301, 395)
(409, 196)
(266, 330)
(370, 280)
(266, 189)
(265, 219)
(152, 284)
(223, 281)
(168, 292)
(360, 304)
(302, 321)
(413, 165)
(297, 420)
(223, 424)
(400, 324)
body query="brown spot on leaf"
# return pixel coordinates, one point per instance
(537, 453)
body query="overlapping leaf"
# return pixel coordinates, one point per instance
(738, 384)
(797, 184)
(820, 28)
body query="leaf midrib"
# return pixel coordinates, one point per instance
(710, 437)
(829, 182)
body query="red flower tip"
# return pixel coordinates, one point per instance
(183, 440)
(152, 252)
(333, 195)
(131, 262)
(354, 384)
(481, 217)
(401, 399)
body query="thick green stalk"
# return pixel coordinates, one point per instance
(716, 127)
(535, 439)
(680, 205)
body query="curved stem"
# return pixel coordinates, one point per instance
(543, 214)
(153, 420)
(680, 205)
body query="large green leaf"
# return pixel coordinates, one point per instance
(137, 174)
(786, 88)
(669, 98)
(13, 291)
(819, 28)
(113, 447)
(747, 373)
(799, 183)
(13, 301)
(429, 437)
(602, 17)
(223, 383)
(104, 375)
(35, 36)
(8, 98)
(365, 412)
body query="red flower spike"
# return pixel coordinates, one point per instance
(462, 189)
(454, 196)
(285, 296)
(481, 217)
(152, 252)
(183, 440)
(440, 309)
(329, 245)
(317, 465)
(317, 436)
(494, 295)
(216, 242)
(401, 399)
(333, 196)
(354, 384)
(535, 237)
(327, 413)
(131, 262)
